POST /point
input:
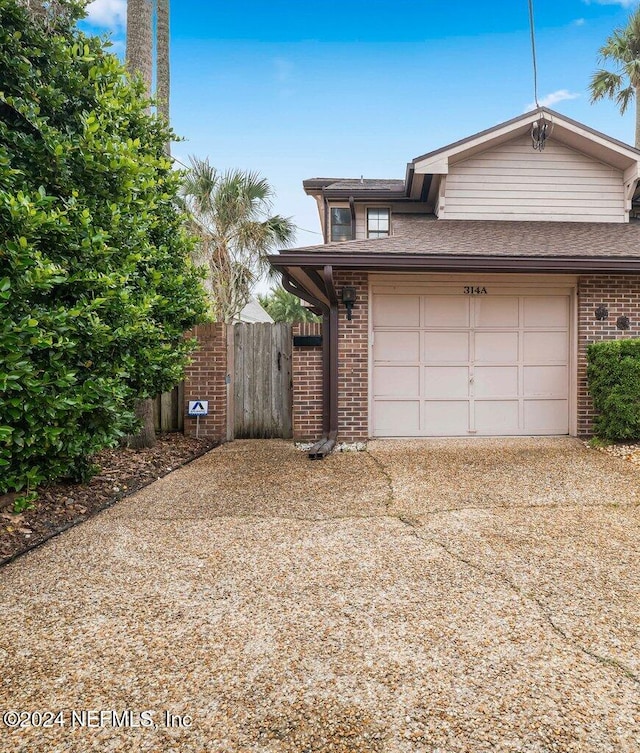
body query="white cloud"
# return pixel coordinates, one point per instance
(579, 22)
(111, 14)
(551, 99)
(623, 3)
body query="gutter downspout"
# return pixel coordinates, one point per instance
(352, 207)
(325, 227)
(329, 371)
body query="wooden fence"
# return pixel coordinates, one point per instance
(259, 360)
(168, 410)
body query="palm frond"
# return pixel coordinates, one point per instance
(605, 84)
(624, 98)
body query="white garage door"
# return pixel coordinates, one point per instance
(484, 363)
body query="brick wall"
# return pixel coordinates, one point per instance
(353, 396)
(205, 379)
(621, 295)
(306, 367)
(353, 353)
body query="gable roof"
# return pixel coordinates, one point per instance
(423, 173)
(575, 135)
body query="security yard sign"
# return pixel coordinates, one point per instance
(198, 407)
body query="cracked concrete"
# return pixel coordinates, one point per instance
(459, 596)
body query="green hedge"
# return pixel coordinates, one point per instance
(96, 289)
(613, 372)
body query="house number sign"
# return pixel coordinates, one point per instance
(474, 290)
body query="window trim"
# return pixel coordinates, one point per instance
(366, 220)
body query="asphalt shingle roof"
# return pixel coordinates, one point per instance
(420, 234)
(364, 184)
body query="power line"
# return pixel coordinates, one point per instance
(533, 54)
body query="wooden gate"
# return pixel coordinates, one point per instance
(262, 384)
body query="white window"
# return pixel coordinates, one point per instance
(378, 222)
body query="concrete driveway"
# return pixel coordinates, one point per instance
(459, 595)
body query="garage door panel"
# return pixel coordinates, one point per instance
(496, 347)
(397, 418)
(495, 381)
(446, 346)
(396, 346)
(446, 381)
(546, 311)
(446, 418)
(446, 311)
(547, 381)
(499, 311)
(540, 347)
(497, 416)
(396, 311)
(546, 417)
(396, 381)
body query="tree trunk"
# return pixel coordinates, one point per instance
(637, 144)
(163, 89)
(139, 54)
(139, 60)
(146, 437)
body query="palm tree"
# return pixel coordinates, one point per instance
(139, 61)
(283, 306)
(622, 48)
(162, 62)
(230, 213)
(139, 53)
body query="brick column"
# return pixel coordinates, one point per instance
(206, 379)
(306, 370)
(353, 358)
(621, 296)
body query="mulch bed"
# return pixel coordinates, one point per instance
(60, 506)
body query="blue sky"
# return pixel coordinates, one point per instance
(299, 89)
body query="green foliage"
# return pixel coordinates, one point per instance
(613, 372)
(230, 213)
(95, 287)
(283, 306)
(622, 51)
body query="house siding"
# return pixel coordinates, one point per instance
(514, 182)
(361, 213)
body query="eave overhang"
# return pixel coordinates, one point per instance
(450, 262)
(306, 266)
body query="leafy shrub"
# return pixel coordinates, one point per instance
(613, 372)
(95, 287)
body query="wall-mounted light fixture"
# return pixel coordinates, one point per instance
(541, 129)
(349, 298)
(602, 312)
